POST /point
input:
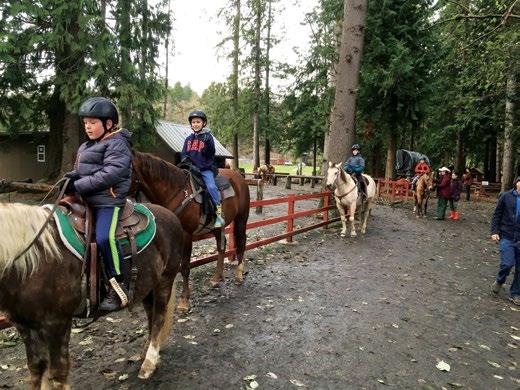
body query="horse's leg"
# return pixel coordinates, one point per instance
(36, 352)
(239, 232)
(425, 201)
(184, 302)
(161, 323)
(57, 336)
(366, 208)
(148, 308)
(218, 276)
(343, 217)
(351, 218)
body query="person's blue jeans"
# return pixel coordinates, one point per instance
(209, 179)
(509, 258)
(107, 219)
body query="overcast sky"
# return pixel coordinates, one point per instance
(197, 30)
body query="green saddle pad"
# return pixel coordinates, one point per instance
(75, 243)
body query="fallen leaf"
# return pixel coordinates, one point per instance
(512, 346)
(86, 341)
(123, 377)
(253, 385)
(249, 377)
(109, 374)
(381, 381)
(113, 320)
(498, 377)
(134, 358)
(455, 385)
(189, 337)
(443, 366)
(182, 320)
(216, 330)
(395, 326)
(120, 360)
(484, 347)
(271, 375)
(494, 364)
(229, 326)
(514, 328)
(296, 382)
(192, 342)
(515, 337)
(77, 330)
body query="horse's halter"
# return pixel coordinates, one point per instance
(335, 186)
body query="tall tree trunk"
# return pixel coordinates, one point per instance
(349, 63)
(234, 81)
(167, 50)
(486, 160)
(507, 167)
(459, 153)
(267, 146)
(390, 155)
(64, 125)
(314, 153)
(492, 157)
(104, 80)
(125, 44)
(257, 92)
(376, 159)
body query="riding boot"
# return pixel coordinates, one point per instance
(112, 301)
(219, 222)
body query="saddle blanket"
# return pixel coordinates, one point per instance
(76, 243)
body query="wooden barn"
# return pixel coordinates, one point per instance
(25, 157)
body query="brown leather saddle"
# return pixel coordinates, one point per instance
(131, 223)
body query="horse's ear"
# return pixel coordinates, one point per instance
(330, 164)
(338, 165)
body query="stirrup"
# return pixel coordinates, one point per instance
(119, 291)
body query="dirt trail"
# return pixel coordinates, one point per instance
(327, 313)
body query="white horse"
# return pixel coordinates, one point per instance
(347, 197)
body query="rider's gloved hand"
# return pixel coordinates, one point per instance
(72, 175)
(71, 188)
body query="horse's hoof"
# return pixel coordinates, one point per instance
(342, 234)
(183, 306)
(239, 279)
(215, 281)
(363, 231)
(147, 369)
(353, 235)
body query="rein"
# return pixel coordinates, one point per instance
(54, 207)
(346, 193)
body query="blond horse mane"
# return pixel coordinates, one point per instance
(19, 224)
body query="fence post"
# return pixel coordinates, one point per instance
(288, 183)
(259, 195)
(275, 179)
(231, 241)
(302, 181)
(290, 214)
(326, 199)
(378, 188)
(393, 192)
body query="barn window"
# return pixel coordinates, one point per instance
(40, 153)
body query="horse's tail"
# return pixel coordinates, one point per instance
(170, 311)
(18, 228)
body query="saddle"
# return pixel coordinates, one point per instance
(362, 188)
(80, 219)
(201, 195)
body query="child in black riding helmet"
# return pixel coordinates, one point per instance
(102, 176)
(200, 148)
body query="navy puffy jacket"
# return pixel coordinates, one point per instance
(504, 221)
(104, 169)
(200, 148)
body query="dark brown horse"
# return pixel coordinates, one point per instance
(40, 291)
(165, 184)
(421, 194)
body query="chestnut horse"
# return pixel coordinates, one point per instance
(40, 290)
(165, 184)
(423, 188)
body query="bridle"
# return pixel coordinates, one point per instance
(335, 186)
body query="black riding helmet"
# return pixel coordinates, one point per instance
(99, 107)
(356, 147)
(198, 114)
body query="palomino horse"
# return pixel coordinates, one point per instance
(165, 184)
(423, 188)
(347, 197)
(40, 290)
(266, 172)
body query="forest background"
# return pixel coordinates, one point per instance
(439, 77)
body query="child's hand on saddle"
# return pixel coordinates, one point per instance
(71, 188)
(495, 237)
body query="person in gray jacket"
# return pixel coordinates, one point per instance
(102, 176)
